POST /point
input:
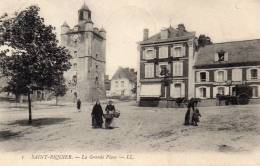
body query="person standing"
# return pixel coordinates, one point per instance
(97, 115)
(78, 104)
(189, 113)
(110, 109)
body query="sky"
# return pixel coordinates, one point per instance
(124, 20)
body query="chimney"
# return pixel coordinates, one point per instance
(164, 33)
(146, 34)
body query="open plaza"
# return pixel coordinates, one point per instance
(233, 129)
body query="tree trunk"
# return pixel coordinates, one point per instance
(30, 108)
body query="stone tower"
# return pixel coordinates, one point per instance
(87, 45)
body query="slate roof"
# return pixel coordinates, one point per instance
(239, 52)
(174, 35)
(124, 73)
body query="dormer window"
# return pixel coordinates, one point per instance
(221, 56)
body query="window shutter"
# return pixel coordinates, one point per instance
(216, 57)
(258, 89)
(225, 75)
(157, 70)
(180, 68)
(215, 91)
(172, 52)
(208, 92)
(198, 76)
(152, 70)
(207, 76)
(145, 70)
(248, 74)
(216, 76)
(234, 75)
(174, 72)
(197, 92)
(227, 90)
(182, 89)
(182, 51)
(239, 74)
(226, 56)
(258, 73)
(172, 91)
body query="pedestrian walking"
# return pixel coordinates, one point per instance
(97, 115)
(78, 105)
(110, 110)
(189, 113)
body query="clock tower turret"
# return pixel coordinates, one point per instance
(84, 13)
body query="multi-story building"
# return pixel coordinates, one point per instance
(87, 45)
(123, 83)
(221, 66)
(172, 49)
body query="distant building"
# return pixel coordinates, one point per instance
(174, 50)
(123, 83)
(87, 45)
(221, 66)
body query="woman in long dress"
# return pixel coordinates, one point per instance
(97, 115)
(189, 113)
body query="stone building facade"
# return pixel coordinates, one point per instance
(173, 49)
(87, 45)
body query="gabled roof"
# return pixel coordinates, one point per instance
(124, 73)
(174, 35)
(239, 52)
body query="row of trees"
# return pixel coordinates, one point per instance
(32, 60)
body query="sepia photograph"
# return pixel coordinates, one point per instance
(130, 82)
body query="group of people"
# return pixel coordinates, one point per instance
(192, 116)
(98, 115)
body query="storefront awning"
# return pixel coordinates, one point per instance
(150, 90)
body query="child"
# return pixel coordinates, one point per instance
(195, 117)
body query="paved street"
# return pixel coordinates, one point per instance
(61, 128)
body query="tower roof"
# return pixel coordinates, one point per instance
(84, 7)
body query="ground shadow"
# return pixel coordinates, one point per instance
(39, 122)
(8, 134)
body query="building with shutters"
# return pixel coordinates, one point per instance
(87, 45)
(221, 66)
(173, 49)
